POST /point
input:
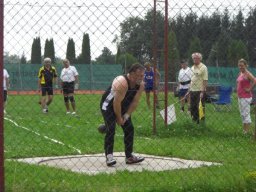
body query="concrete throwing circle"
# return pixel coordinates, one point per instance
(96, 163)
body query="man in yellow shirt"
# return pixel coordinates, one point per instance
(47, 76)
(198, 85)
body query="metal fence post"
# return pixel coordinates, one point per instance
(1, 97)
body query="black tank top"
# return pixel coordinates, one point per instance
(106, 103)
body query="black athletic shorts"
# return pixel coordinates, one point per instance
(68, 87)
(5, 95)
(47, 89)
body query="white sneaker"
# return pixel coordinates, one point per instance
(68, 112)
(73, 113)
(110, 160)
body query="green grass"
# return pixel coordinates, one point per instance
(220, 139)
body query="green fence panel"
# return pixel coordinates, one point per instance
(23, 77)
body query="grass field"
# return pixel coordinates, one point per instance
(30, 133)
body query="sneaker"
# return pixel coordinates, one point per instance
(68, 112)
(134, 159)
(110, 160)
(46, 108)
(73, 113)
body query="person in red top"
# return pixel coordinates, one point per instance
(245, 83)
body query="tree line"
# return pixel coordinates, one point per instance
(219, 35)
(222, 38)
(49, 51)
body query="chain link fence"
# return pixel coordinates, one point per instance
(58, 151)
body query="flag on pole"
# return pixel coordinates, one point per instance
(201, 110)
(171, 115)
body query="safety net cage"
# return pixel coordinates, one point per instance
(126, 95)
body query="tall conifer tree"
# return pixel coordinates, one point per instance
(46, 49)
(49, 50)
(23, 59)
(71, 53)
(36, 54)
(85, 56)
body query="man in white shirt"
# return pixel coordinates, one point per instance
(184, 79)
(69, 78)
(6, 85)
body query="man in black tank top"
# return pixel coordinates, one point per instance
(117, 104)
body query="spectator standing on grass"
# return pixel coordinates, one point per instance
(198, 84)
(184, 79)
(245, 83)
(6, 85)
(69, 78)
(117, 105)
(47, 77)
(149, 78)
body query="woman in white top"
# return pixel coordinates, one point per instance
(184, 79)
(69, 77)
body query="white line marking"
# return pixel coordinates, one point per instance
(44, 136)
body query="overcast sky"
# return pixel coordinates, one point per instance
(62, 19)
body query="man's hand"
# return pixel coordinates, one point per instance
(120, 121)
(126, 116)
(76, 86)
(247, 90)
(187, 94)
(201, 95)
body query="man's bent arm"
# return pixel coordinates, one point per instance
(205, 83)
(120, 88)
(135, 101)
